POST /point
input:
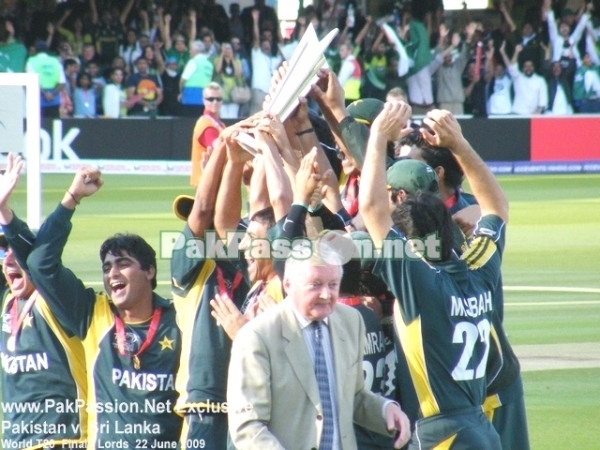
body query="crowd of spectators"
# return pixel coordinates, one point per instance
(98, 58)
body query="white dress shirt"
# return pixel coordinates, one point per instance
(531, 92)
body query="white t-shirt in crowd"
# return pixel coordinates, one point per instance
(530, 92)
(500, 101)
(263, 66)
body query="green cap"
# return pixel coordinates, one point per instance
(411, 176)
(365, 110)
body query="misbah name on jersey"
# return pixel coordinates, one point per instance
(471, 306)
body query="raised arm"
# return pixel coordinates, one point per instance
(489, 62)
(255, 29)
(329, 95)
(484, 185)
(19, 236)
(193, 29)
(258, 195)
(590, 45)
(8, 182)
(229, 199)
(580, 28)
(373, 195)
(68, 298)
(512, 65)
(377, 40)
(94, 11)
(506, 14)
(125, 12)
(61, 20)
(502, 51)
(203, 212)
(363, 32)
(164, 26)
(552, 28)
(278, 183)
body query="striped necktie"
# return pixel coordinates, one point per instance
(324, 393)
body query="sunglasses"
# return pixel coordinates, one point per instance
(213, 99)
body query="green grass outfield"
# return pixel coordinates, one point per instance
(553, 242)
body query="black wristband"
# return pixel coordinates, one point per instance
(308, 130)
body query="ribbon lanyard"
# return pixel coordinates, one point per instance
(120, 328)
(16, 319)
(350, 301)
(223, 287)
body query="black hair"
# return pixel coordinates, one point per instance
(81, 75)
(265, 217)
(325, 137)
(135, 246)
(68, 62)
(422, 214)
(114, 69)
(414, 138)
(322, 130)
(350, 284)
(441, 156)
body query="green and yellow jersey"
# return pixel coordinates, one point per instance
(131, 394)
(43, 366)
(202, 377)
(443, 316)
(43, 377)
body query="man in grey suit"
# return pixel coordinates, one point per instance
(296, 377)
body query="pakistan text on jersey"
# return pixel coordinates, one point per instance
(143, 381)
(24, 363)
(471, 306)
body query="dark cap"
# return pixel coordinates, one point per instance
(365, 110)
(41, 46)
(182, 206)
(411, 176)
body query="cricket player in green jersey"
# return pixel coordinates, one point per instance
(131, 341)
(443, 312)
(43, 366)
(197, 278)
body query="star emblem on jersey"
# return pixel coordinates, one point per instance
(28, 321)
(166, 343)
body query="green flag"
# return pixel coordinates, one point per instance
(12, 57)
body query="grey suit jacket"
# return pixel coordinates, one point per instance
(272, 393)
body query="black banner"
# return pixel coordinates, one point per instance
(170, 139)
